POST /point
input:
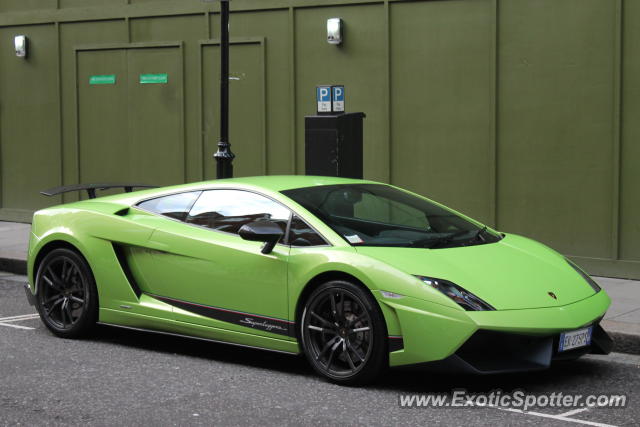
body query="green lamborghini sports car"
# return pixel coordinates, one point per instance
(357, 275)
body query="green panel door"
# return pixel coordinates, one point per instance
(130, 116)
(155, 101)
(273, 25)
(246, 107)
(104, 151)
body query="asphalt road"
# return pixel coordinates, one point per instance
(122, 377)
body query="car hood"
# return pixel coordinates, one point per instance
(514, 273)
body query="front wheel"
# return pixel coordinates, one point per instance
(344, 334)
(66, 299)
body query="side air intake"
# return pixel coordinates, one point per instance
(120, 251)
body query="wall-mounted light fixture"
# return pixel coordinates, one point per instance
(334, 30)
(20, 44)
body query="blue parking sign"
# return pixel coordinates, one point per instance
(323, 98)
(337, 99)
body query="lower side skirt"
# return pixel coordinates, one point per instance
(162, 325)
(154, 331)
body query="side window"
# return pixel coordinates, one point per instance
(300, 234)
(175, 206)
(228, 210)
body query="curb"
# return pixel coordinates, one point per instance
(13, 280)
(625, 343)
(626, 336)
(15, 266)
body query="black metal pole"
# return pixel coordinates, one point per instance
(224, 156)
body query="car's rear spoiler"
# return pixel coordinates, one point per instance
(91, 188)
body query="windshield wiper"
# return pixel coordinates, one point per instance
(437, 241)
(478, 235)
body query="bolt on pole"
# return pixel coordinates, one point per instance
(224, 157)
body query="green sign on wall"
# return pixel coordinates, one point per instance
(154, 78)
(105, 79)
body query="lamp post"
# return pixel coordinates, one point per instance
(224, 156)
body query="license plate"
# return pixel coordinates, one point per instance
(575, 339)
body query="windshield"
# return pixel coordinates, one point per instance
(380, 215)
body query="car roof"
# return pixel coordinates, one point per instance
(286, 182)
(272, 183)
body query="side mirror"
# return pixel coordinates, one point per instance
(262, 231)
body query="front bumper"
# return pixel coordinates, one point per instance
(490, 352)
(432, 332)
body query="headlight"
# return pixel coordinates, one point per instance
(460, 296)
(585, 276)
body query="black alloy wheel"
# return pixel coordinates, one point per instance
(66, 296)
(343, 333)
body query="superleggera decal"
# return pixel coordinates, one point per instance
(250, 320)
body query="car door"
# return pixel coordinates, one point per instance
(211, 276)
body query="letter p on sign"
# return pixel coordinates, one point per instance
(338, 99)
(323, 98)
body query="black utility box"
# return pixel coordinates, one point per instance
(333, 145)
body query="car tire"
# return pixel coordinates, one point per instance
(343, 333)
(66, 294)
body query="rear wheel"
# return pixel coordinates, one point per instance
(66, 299)
(344, 334)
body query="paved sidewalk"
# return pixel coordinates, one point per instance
(622, 319)
(14, 240)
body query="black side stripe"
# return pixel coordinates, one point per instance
(122, 260)
(249, 320)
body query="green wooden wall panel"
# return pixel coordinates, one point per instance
(630, 150)
(146, 1)
(556, 130)
(358, 63)
(90, 3)
(23, 5)
(71, 36)
(189, 30)
(246, 107)
(273, 26)
(29, 123)
(442, 101)
(165, 1)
